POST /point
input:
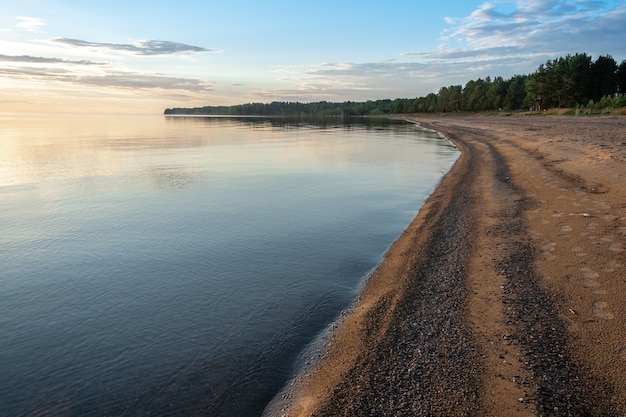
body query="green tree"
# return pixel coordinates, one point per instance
(577, 80)
(496, 93)
(515, 92)
(474, 95)
(449, 98)
(621, 77)
(535, 89)
(604, 77)
(428, 104)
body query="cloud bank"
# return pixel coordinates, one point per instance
(90, 73)
(149, 47)
(42, 60)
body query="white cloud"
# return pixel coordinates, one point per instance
(31, 24)
(148, 47)
(40, 60)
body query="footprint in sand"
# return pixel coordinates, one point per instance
(612, 266)
(565, 228)
(601, 309)
(590, 283)
(616, 247)
(547, 249)
(590, 278)
(589, 273)
(578, 251)
(602, 205)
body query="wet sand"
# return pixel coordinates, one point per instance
(507, 293)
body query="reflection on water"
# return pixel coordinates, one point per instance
(177, 266)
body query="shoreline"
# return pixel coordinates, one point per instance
(494, 298)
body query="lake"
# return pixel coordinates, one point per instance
(170, 266)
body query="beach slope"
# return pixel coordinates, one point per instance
(505, 296)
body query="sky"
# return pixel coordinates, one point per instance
(144, 56)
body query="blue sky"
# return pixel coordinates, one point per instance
(144, 56)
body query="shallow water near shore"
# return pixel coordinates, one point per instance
(178, 266)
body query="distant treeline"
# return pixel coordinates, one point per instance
(574, 81)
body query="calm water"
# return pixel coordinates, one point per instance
(178, 266)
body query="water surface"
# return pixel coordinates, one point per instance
(178, 266)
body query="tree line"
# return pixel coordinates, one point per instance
(573, 81)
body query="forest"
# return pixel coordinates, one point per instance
(575, 82)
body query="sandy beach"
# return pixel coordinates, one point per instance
(505, 296)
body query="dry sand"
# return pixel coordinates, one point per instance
(506, 296)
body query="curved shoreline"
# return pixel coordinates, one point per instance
(460, 318)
